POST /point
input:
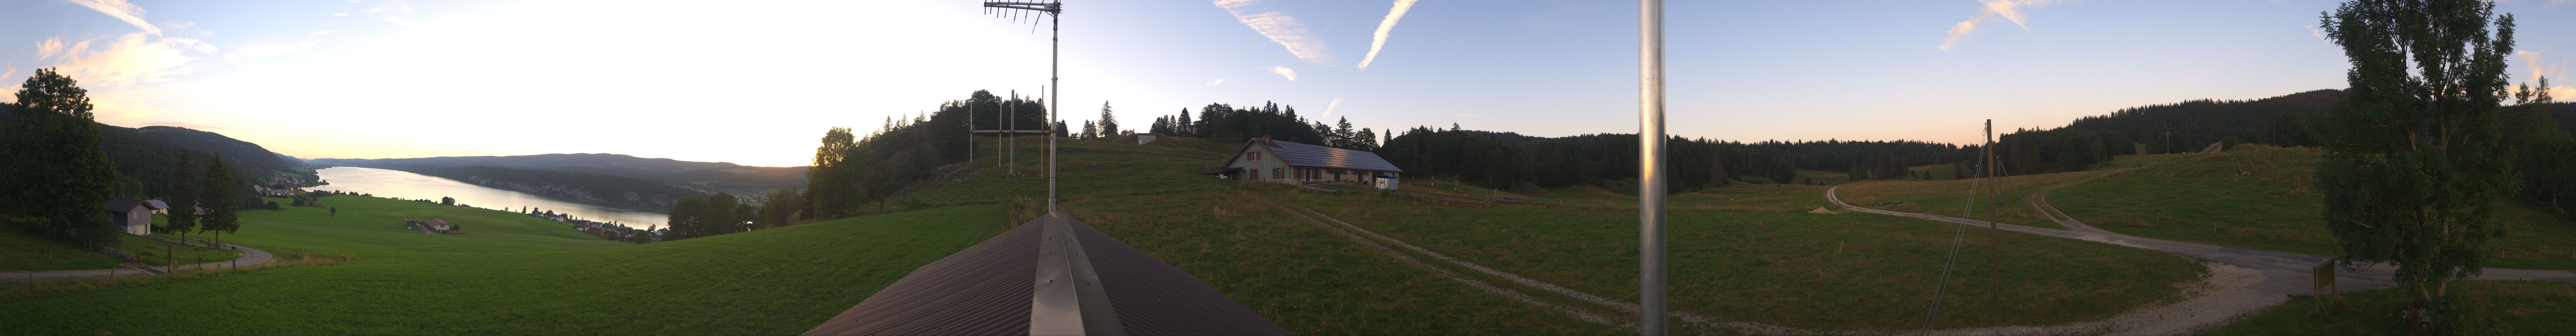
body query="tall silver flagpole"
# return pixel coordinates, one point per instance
(1650, 168)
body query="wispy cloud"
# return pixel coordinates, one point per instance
(125, 60)
(1285, 72)
(258, 51)
(2537, 67)
(2319, 33)
(1384, 27)
(121, 10)
(1217, 81)
(1328, 107)
(1280, 28)
(2010, 10)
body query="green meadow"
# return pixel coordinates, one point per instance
(2263, 197)
(777, 281)
(386, 214)
(2497, 308)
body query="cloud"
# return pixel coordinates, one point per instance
(2009, 9)
(2319, 33)
(318, 33)
(265, 51)
(2541, 67)
(1328, 107)
(1285, 72)
(1217, 81)
(125, 60)
(1280, 28)
(1384, 27)
(339, 14)
(122, 11)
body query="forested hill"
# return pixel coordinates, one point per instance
(714, 176)
(609, 189)
(145, 165)
(246, 156)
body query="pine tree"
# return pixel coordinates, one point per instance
(219, 189)
(2413, 164)
(183, 196)
(1108, 123)
(1089, 130)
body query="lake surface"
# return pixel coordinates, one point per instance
(407, 185)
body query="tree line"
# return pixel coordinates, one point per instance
(1226, 123)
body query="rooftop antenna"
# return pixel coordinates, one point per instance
(1055, 42)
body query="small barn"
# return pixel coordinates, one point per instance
(1265, 159)
(133, 216)
(432, 225)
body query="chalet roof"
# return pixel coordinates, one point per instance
(1306, 155)
(157, 204)
(123, 204)
(989, 288)
(435, 222)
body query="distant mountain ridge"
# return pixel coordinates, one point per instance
(711, 176)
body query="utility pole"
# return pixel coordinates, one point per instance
(1650, 169)
(1994, 236)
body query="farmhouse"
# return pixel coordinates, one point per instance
(1264, 159)
(133, 216)
(432, 225)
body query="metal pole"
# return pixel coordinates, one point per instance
(1994, 237)
(1650, 168)
(1011, 147)
(1055, 47)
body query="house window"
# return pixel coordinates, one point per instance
(1278, 172)
(1256, 156)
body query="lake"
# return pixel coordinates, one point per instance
(407, 185)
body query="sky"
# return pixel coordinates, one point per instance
(758, 82)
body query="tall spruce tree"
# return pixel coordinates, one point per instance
(57, 170)
(1108, 123)
(2414, 164)
(217, 191)
(183, 196)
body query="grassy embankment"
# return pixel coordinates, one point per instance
(2501, 308)
(1752, 253)
(2263, 197)
(25, 252)
(777, 281)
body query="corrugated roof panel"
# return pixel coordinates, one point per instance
(986, 290)
(982, 290)
(1154, 298)
(1319, 156)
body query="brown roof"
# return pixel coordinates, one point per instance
(435, 222)
(987, 289)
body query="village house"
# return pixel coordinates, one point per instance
(1265, 159)
(133, 216)
(432, 225)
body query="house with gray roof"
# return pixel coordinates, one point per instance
(1265, 159)
(132, 216)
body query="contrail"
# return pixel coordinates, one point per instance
(1280, 28)
(1384, 27)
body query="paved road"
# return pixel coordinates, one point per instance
(250, 256)
(2283, 273)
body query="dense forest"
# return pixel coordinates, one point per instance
(146, 165)
(609, 189)
(1508, 161)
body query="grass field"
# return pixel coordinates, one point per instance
(777, 281)
(2262, 197)
(385, 214)
(1953, 198)
(2502, 308)
(23, 252)
(1751, 253)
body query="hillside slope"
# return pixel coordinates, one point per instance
(2262, 197)
(777, 281)
(713, 176)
